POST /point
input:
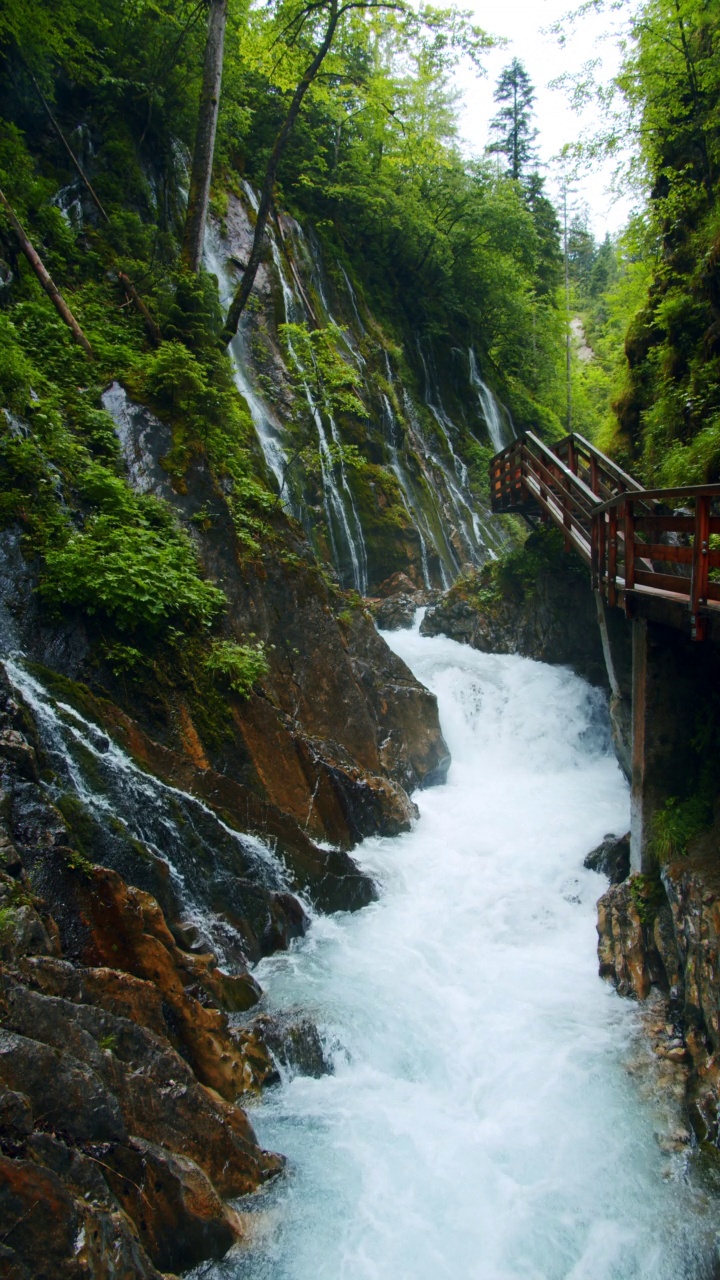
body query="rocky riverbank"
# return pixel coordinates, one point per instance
(159, 833)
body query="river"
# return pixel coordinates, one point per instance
(480, 1122)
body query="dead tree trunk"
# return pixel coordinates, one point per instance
(202, 162)
(46, 280)
(244, 289)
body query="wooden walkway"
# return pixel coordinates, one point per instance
(654, 552)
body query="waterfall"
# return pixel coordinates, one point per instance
(341, 514)
(205, 857)
(267, 426)
(498, 421)
(416, 517)
(481, 1122)
(479, 538)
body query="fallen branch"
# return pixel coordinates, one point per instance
(45, 279)
(152, 327)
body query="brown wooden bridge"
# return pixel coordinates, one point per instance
(653, 552)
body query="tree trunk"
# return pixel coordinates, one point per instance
(202, 162)
(45, 279)
(244, 289)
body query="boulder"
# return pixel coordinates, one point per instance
(181, 1219)
(50, 1234)
(611, 858)
(66, 1095)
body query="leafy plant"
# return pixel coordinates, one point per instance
(136, 576)
(676, 823)
(240, 666)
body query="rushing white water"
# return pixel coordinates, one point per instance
(480, 1123)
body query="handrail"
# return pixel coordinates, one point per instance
(607, 463)
(662, 495)
(619, 537)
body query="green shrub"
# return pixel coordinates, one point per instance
(240, 666)
(137, 576)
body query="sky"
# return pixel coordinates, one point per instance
(524, 25)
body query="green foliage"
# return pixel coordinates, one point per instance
(136, 576)
(514, 132)
(8, 924)
(514, 573)
(239, 666)
(676, 823)
(648, 895)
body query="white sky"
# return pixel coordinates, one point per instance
(523, 23)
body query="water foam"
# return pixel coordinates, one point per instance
(480, 1123)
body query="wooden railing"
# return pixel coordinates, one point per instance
(654, 544)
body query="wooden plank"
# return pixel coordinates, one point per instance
(674, 555)
(665, 581)
(612, 555)
(699, 585)
(629, 545)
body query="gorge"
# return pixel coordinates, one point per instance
(313, 770)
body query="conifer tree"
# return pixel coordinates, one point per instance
(515, 134)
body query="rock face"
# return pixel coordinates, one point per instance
(665, 933)
(155, 829)
(120, 1074)
(611, 858)
(550, 616)
(309, 748)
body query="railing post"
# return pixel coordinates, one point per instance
(612, 555)
(594, 485)
(595, 551)
(602, 549)
(629, 556)
(700, 564)
(571, 456)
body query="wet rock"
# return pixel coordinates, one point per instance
(66, 1094)
(396, 613)
(611, 858)
(50, 1234)
(181, 1219)
(14, 746)
(398, 584)
(116, 992)
(622, 941)
(294, 1041)
(125, 929)
(16, 1120)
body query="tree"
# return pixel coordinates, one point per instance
(334, 13)
(515, 133)
(203, 151)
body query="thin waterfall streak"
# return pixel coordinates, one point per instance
(267, 427)
(500, 432)
(333, 502)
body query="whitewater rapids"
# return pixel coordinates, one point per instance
(480, 1123)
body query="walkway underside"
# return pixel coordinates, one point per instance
(653, 552)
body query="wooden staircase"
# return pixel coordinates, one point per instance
(652, 552)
